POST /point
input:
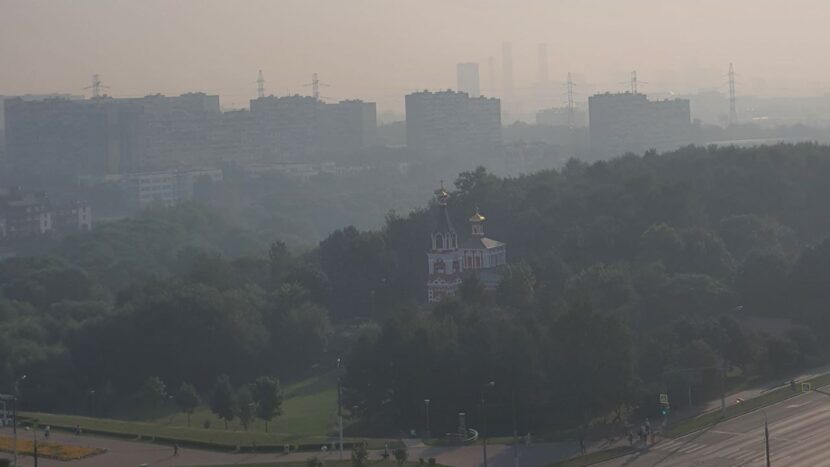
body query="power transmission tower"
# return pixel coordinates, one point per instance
(571, 107)
(315, 86)
(733, 112)
(97, 86)
(260, 85)
(634, 82)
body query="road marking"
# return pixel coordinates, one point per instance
(795, 406)
(734, 433)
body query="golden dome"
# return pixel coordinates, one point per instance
(477, 217)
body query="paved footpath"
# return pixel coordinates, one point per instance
(123, 453)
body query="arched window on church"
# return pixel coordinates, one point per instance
(437, 241)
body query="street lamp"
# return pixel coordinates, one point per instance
(14, 415)
(766, 432)
(426, 405)
(484, 386)
(340, 405)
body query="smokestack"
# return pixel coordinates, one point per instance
(543, 63)
(507, 68)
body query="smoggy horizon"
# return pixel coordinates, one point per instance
(379, 51)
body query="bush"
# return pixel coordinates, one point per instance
(431, 461)
(206, 424)
(314, 462)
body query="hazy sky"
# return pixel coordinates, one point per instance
(381, 49)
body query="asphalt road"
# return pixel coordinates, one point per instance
(799, 430)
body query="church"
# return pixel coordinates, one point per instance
(450, 260)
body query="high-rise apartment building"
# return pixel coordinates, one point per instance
(448, 123)
(629, 122)
(298, 125)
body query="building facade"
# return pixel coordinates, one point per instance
(629, 122)
(295, 126)
(166, 187)
(450, 261)
(26, 215)
(444, 124)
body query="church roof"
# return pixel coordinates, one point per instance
(479, 243)
(441, 220)
(477, 217)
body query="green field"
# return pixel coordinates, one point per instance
(309, 417)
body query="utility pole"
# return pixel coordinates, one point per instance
(723, 388)
(484, 419)
(570, 90)
(515, 432)
(426, 405)
(315, 86)
(766, 437)
(339, 402)
(96, 86)
(260, 85)
(733, 112)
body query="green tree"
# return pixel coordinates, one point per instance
(153, 392)
(268, 396)
(246, 407)
(223, 400)
(187, 398)
(401, 455)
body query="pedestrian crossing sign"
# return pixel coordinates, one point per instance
(805, 387)
(664, 399)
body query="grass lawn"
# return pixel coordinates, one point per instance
(309, 417)
(711, 418)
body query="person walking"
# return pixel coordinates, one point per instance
(175, 449)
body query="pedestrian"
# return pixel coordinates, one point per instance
(78, 430)
(175, 449)
(385, 450)
(630, 437)
(46, 432)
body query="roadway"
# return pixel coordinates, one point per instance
(799, 430)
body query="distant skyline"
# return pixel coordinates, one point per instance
(379, 50)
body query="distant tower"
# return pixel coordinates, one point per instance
(315, 86)
(507, 68)
(491, 76)
(570, 90)
(97, 86)
(634, 82)
(733, 112)
(260, 85)
(468, 80)
(543, 63)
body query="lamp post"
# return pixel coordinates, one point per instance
(340, 406)
(484, 419)
(14, 415)
(766, 433)
(426, 406)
